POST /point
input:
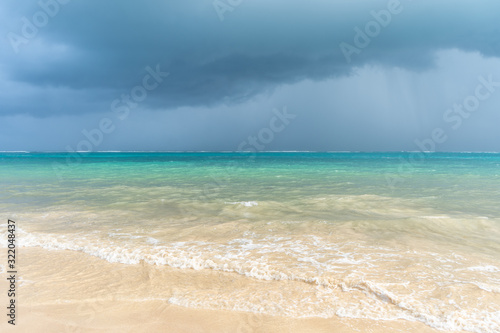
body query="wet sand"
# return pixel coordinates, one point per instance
(67, 291)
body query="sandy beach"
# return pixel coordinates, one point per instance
(94, 301)
(292, 242)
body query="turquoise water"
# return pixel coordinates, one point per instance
(396, 234)
(269, 174)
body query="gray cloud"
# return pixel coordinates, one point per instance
(375, 108)
(226, 77)
(93, 51)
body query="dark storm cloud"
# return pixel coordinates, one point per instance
(92, 51)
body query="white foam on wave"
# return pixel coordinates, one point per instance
(125, 236)
(435, 217)
(244, 203)
(458, 320)
(487, 268)
(487, 287)
(249, 257)
(151, 240)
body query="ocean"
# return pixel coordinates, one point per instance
(380, 236)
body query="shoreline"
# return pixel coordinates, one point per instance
(126, 316)
(100, 298)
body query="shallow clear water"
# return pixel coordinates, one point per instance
(362, 235)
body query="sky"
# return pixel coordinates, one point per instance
(317, 75)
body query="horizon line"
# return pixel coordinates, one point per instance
(242, 151)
